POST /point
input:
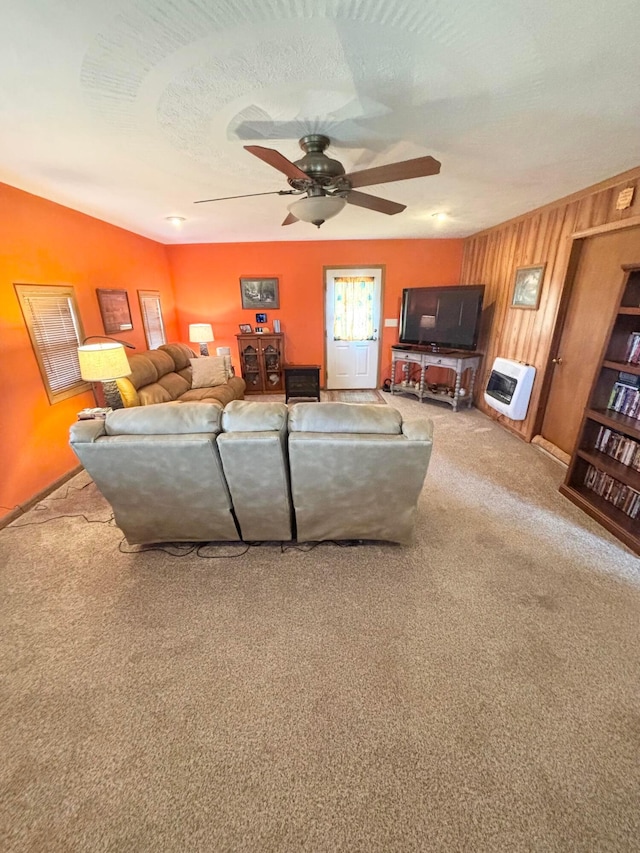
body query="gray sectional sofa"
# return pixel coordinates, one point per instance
(258, 471)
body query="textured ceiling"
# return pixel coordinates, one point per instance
(130, 110)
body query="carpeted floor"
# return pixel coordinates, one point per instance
(477, 691)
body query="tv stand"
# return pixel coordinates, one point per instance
(423, 348)
(459, 361)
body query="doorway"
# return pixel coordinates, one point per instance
(594, 292)
(353, 307)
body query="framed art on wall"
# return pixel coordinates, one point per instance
(527, 287)
(259, 293)
(114, 310)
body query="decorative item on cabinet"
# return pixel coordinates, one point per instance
(603, 478)
(261, 362)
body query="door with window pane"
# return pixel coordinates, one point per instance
(352, 327)
(152, 321)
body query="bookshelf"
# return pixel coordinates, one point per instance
(603, 477)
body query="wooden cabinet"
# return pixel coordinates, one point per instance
(604, 474)
(262, 362)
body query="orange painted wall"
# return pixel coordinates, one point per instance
(206, 280)
(45, 243)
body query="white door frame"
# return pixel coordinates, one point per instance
(365, 269)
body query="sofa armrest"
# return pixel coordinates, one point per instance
(418, 429)
(84, 432)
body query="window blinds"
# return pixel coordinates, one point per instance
(53, 327)
(151, 310)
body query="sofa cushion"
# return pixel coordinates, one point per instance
(165, 419)
(143, 370)
(153, 393)
(208, 372)
(180, 353)
(162, 362)
(345, 418)
(245, 416)
(174, 384)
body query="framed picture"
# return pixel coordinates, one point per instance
(245, 329)
(527, 287)
(114, 310)
(261, 318)
(259, 293)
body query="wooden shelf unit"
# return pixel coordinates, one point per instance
(262, 362)
(625, 428)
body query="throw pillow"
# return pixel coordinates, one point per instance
(208, 371)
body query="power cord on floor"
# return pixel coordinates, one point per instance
(15, 526)
(187, 548)
(190, 548)
(198, 548)
(41, 505)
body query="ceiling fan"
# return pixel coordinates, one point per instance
(325, 185)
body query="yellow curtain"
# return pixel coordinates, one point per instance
(353, 308)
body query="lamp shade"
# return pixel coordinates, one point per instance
(100, 362)
(201, 333)
(317, 209)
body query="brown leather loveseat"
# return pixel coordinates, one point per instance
(164, 375)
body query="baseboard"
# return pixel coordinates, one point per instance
(551, 449)
(39, 496)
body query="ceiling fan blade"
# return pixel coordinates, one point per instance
(421, 167)
(290, 219)
(278, 161)
(248, 195)
(372, 202)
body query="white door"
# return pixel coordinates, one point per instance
(352, 326)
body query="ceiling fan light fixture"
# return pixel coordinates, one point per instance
(317, 209)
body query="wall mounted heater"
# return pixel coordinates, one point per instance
(509, 388)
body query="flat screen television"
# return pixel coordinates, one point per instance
(441, 317)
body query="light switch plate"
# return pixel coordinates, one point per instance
(391, 321)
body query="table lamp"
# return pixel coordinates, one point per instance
(201, 333)
(105, 363)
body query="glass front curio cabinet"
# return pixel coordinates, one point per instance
(261, 362)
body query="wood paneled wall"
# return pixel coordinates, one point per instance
(543, 236)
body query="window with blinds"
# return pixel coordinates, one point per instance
(151, 310)
(52, 319)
